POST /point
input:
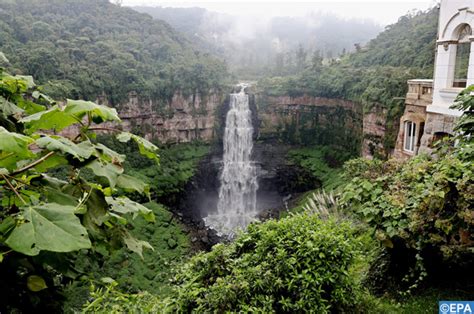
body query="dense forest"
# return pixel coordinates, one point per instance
(83, 49)
(93, 218)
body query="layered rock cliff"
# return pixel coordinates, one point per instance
(374, 130)
(309, 120)
(181, 119)
(288, 120)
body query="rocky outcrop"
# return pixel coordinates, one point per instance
(183, 118)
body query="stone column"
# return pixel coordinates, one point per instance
(444, 68)
(470, 70)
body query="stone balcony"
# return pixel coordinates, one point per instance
(420, 92)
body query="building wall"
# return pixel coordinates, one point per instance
(419, 96)
(456, 22)
(454, 14)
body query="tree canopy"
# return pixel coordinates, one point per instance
(82, 49)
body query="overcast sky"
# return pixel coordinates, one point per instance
(382, 11)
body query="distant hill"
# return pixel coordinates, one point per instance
(267, 46)
(83, 48)
(409, 42)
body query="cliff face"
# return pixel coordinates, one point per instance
(309, 120)
(180, 120)
(289, 120)
(374, 131)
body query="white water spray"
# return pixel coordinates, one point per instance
(238, 190)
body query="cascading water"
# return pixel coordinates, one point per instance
(236, 207)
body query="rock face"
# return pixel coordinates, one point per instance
(437, 127)
(181, 119)
(309, 120)
(374, 130)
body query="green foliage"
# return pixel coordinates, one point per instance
(409, 42)
(145, 148)
(108, 299)
(424, 203)
(425, 200)
(290, 265)
(133, 274)
(465, 102)
(83, 49)
(323, 161)
(178, 164)
(425, 302)
(50, 227)
(41, 214)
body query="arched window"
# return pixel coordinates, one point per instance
(462, 56)
(410, 136)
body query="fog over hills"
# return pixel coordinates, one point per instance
(268, 44)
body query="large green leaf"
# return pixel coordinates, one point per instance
(108, 154)
(145, 147)
(136, 245)
(8, 108)
(42, 97)
(51, 119)
(14, 142)
(51, 162)
(106, 170)
(97, 207)
(129, 183)
(99, 113)
(29, 107)
(124, 205)
(13, 84)
(36, 283)
(58, 118)
(62, 144)
(49, 227)
(28, 79)
(13, 148)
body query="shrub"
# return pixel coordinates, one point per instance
(294, 264)
(424, 204)
(107, 299)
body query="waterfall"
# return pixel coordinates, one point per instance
(236, 207)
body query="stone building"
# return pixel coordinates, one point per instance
(428, 117)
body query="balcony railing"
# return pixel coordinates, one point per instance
(420, 92)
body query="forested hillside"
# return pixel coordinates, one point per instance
(81, 49)
(375, 75)
(410, 43)
(376, 71)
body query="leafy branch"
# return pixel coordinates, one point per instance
(32, 165)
